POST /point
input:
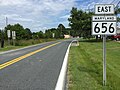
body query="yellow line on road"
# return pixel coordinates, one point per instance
(24, 56)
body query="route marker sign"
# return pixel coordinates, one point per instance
(104, 25)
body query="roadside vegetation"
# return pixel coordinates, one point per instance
(85, 66)
(23, 43)
(25, 37)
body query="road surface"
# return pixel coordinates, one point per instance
(33, 68)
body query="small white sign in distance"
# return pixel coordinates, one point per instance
(103, 28)
(53, 35)
(104, 9)
(104, 18)
(8, 33)
(13, 35)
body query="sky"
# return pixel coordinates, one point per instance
(43, 14)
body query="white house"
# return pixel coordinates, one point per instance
(118, 30)
(66, 36)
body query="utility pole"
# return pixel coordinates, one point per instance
(8, 31)
(6, 21)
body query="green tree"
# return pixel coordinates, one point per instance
(0, 36)
(48, 34)
(35, 35)
(117, 12)
(21, 33)
(28, 33)
(74, 20)
(80, 22)
(56, 32)
(61, 29)
(67, 31)
(40, 34)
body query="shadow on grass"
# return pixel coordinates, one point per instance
(93, 40)
(84, 69)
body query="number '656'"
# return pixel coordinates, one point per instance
(104, 28)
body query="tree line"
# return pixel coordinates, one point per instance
(79, 22)
(26, 34)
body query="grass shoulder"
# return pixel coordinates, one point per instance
(85, 66)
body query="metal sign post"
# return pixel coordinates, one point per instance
(104, 60)
(102, 24)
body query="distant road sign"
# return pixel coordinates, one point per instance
(104, 9)
(8, 33)
(13, 34)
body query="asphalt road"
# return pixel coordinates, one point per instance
(33, 68)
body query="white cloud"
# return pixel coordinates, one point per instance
(23, 19)
(11, 2)
(35, 13)
(41, 14)
(36, 29)
(52, 7)
(91, 5)
(105, 1)
(10, 15)
(65, 16)
(108, 2)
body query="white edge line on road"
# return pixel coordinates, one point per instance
(61, 78)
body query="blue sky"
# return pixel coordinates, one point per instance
(42, 14)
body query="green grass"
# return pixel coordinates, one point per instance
(85, 66)
(6, 48)
(23, 43)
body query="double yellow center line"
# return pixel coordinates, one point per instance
(24, 56)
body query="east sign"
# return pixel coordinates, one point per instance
(104, 23)
(104, 9)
